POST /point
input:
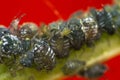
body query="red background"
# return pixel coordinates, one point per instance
(49, 10)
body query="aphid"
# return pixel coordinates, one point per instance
(72, 67)
(104, 21)
(90, 29)
(10, 44)
(26, 59)
(44, 57)
(10, 48)
(58, 40)
(94, 71)
(76, 36)
(60, 45)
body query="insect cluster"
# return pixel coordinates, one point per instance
(31, 46)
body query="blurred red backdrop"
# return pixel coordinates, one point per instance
(49, 10)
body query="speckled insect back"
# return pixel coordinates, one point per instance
(104, 20)
(26, 59)
(90, 28)
(94, 71)
(60, 45)
(44, 57)
(10, 48)
(58, 40)
(76, 36)
(71, 67)
(11, 44)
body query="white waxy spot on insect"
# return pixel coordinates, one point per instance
(4, 39)
(66, 47)
(5, 43)
(48, 51)
(53, 41)
(53, 44)
(67, 44)
(35, 48)
(53, 56)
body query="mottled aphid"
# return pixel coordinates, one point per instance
(59, 42)
(11, 44)
(10, 48)
(60, 45)
(72, 67)
(94, 71)
(26, 59)
(90, 28)
(104, 20)
(44, 57)
(76, 36)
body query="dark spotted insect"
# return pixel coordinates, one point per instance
(76, 36)
(94, 71)
(105, 22)
(90, 29)
(10, 47)
(44, 57)
(10, 44)
(40, 56)
(72, 67)
(26, 59)
(60, 45)
(58, 40)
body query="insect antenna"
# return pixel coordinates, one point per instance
(13, 27)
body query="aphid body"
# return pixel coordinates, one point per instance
(94, 71)
(72, 67)
(76, 36)
(90, 29)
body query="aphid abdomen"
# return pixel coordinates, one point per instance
(44, 57)
(60, 46)
(90, 29)
(104, 20)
